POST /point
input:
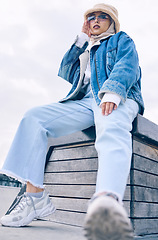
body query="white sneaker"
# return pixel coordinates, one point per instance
(107, 220)
(28, 209)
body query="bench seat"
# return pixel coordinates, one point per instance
(71, 170)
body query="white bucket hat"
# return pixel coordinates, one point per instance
(108, 9)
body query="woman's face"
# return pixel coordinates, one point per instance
(99, 22)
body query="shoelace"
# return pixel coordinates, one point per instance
(20, 202)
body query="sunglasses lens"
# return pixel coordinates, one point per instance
(91, 18)
(102, 17)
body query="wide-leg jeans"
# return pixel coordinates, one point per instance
(27, 155)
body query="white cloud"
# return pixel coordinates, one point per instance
(29, 86)
(34, 36)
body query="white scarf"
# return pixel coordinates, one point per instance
(96, 38)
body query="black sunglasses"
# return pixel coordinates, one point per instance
(101, 17)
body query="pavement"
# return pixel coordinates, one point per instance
(50, 231)
(40, 229)
(7, 196)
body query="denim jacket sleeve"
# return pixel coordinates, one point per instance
(70, 62)
(123, 67)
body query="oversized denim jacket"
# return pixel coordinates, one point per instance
(114, 68)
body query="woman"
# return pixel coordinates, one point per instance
(106, 93)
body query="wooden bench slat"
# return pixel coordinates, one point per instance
(145, 226)
(145, 150)
(145, 129)
(70, 204)
(145, 164)
(71, 178)
(73, 165)
(145, 179)
(67, 217)
(145, 194)
(74, 153)
(145, 210)
(78, 191)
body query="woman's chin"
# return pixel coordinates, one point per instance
(97, 31)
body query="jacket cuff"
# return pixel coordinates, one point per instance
(111, 86)
(111, 97)
(82, 39)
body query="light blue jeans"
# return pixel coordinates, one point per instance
(26, 158)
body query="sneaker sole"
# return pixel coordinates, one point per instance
(107, 223)
(20, 223)
(49, 209)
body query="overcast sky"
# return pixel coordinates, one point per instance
(34, 35)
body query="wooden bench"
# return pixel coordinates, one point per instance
(71, 169)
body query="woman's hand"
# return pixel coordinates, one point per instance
(108, 107)
(86, 29)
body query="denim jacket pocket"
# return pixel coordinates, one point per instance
(110, 59)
